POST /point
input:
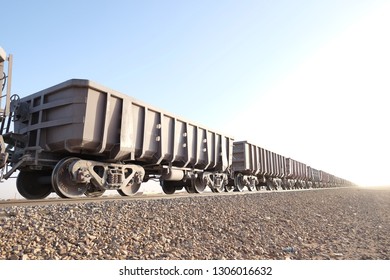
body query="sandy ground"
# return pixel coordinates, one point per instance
(349, 223)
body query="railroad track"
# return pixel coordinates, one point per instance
(138, 196)
(57, 200)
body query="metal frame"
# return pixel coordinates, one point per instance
(3, 58)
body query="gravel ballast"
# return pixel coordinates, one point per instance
(348, 223)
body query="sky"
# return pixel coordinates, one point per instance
(306, 79)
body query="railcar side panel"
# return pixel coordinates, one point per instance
(81, 117)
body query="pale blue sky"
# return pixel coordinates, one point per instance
(215, 62)
(162, 51)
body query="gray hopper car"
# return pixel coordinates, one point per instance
(79, 138)
(254, 168)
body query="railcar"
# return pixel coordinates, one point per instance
(79, 138)
(255, 168)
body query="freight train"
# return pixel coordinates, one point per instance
(79, 138)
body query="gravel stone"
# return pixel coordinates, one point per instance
(349, 223)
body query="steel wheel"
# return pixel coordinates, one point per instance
(239, 182)
(63, 183)
(34, 184)
(189, 186)
(199, 185)
(168, 187)
(131, 189)
(229, 188)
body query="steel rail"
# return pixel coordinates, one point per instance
(138, 196)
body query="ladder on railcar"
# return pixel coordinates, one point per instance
(5, 114)
(5, 80)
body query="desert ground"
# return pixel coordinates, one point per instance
(345, 223)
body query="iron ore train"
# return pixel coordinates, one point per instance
(79, 138)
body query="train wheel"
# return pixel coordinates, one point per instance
(34, 184)
(130, 189)
(168, 187)
(63, 183)
(229, 188)
(199, 185)
(190, 189)
(239, 182)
